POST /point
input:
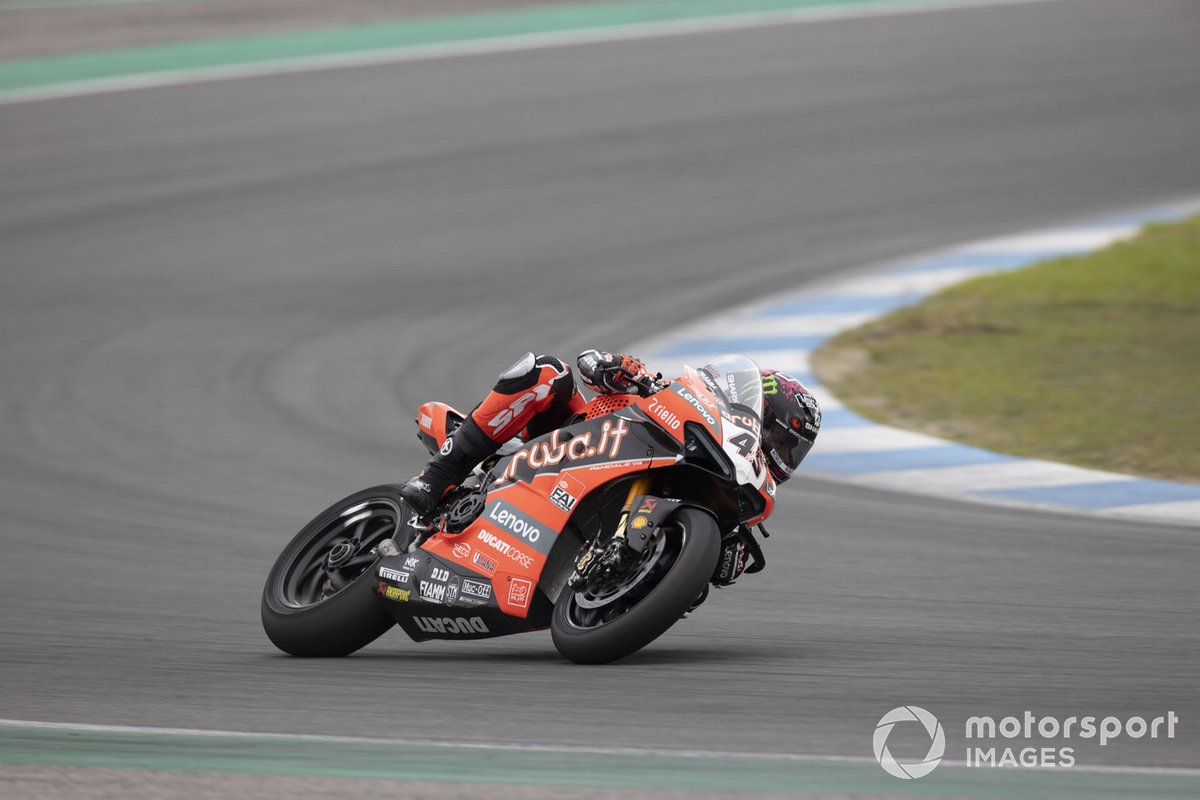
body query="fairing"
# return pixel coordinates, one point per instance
(493, 578)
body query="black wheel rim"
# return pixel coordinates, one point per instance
(337, 553)
(598, 605)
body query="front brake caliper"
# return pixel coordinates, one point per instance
(636, 530)
(583, 567)
(613, 559)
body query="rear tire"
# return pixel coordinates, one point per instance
(304, 612)
(651, 616)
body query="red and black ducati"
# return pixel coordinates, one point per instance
(607, 531)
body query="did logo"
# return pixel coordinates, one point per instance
(914, 769)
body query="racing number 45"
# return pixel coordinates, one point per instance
(744, 442)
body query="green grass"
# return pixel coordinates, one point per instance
(1093, 360)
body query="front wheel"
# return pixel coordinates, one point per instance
(318, 600)
(592, 627)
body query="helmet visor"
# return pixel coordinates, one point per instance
(785, 448)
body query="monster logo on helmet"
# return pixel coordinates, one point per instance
(791, 421)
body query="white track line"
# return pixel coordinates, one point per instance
(1074, 241)
(505, 44)
(987, 477)
(308, 737)
(546, 748)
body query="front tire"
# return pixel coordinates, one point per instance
(319, 600)
(599, 641)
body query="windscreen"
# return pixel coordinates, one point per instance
(737, 384)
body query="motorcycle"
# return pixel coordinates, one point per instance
(607, 531)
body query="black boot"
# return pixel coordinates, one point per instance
(462, 451)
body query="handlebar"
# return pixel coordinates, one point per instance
(646, 384)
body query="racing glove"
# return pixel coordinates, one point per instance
(608, 373)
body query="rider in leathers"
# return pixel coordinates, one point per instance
(537, 395)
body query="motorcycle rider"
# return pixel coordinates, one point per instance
(538, 395)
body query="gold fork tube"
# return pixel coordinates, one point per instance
(639, 487)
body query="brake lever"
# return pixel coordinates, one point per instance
(633, 380)
(646, 384)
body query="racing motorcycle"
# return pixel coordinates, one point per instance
(608, 530)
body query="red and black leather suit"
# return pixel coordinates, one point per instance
(538, 395)
(534, 396)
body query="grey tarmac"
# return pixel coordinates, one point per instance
(221, 304)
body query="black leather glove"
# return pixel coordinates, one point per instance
(608, 373)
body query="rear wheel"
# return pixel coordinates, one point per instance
(602, 623)
(318, 600)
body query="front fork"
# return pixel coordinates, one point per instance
(616, 549)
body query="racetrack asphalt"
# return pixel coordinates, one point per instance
(221, 304)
